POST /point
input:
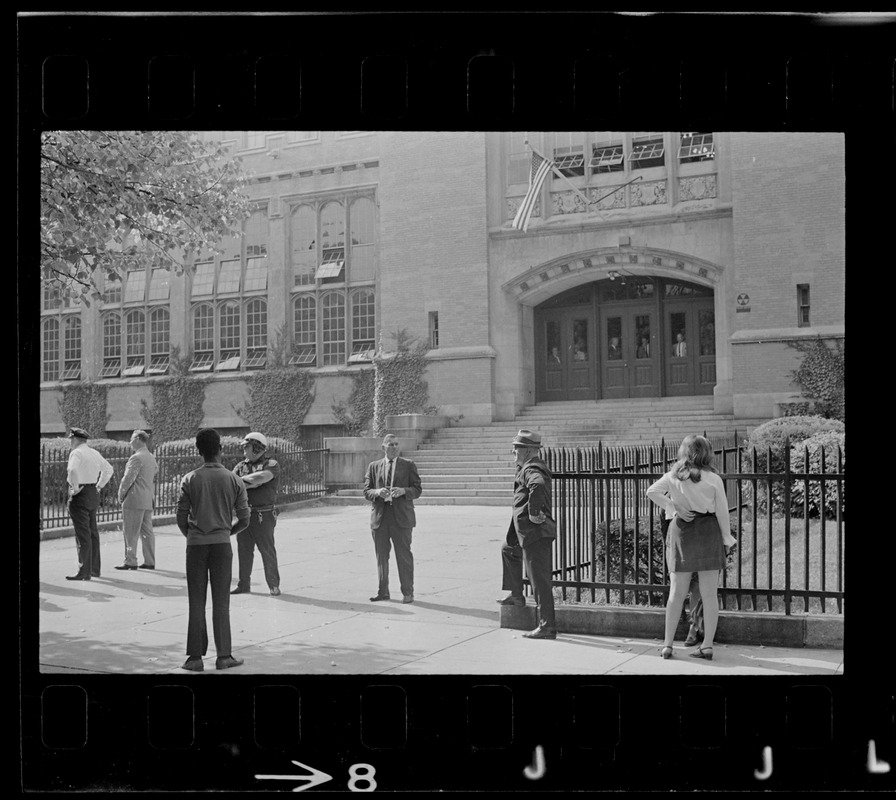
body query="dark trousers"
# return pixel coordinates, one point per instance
(538, 558)
(209, 564)
(386, 535)
(82, 508)
(260, 533)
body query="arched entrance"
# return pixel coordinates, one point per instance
(622, 337)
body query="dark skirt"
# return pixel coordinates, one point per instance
(695, 546)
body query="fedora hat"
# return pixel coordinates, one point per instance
(527, 439)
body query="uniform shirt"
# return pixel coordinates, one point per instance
(705, 497)
(209, 498)
(264, 494)
(86, 465)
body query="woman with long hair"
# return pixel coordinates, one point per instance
(693, 497)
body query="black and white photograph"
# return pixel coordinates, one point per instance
(469, 428)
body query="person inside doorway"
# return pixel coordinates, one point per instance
(554, 356)
(614, 351)
(680, 348)
(643, 350)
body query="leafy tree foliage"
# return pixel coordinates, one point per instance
(118, 200)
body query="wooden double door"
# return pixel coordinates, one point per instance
(630, 349)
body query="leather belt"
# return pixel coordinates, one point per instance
(80, 485)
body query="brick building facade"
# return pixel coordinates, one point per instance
(736, 241)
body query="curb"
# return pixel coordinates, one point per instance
(771, 629)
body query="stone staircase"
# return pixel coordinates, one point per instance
(475, 466)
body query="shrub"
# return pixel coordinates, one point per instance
(177, 401)
(83, 405)
(399, 387)
(356, 415)
(821, 376)
(809, 503)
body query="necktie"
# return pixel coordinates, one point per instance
(389, 474)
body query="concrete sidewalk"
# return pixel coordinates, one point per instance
(135, 622)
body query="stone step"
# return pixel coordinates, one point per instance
(459, 500)
(506, 492)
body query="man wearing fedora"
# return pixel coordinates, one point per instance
(260, 475)
(391, 485)
(530, 537)
(88, 473)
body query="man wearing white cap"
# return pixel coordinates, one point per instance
(530, 537)
(260, 475)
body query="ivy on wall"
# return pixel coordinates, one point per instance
(821, 376)
(83, 405)
(356, 415)
(280, 396)
(176, 405)
(399, 387)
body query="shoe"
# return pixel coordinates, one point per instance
(77, 577)
(194, 664)
(541, 633)
(227, 662)
(126, 566)
(240, 590)
(379, 597)
(147, 566)
(408, 598)
(666, 652)
(693, 638)
(703, 652)
(512, 600)
(275, 591)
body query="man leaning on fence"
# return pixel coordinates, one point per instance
(530, 537)
(88, 473)
(135, 493)
(210, 497)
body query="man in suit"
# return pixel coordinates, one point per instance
(135, 493)
(530, 537)
(392, 484)
(88, 472)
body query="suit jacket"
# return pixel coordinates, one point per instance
(136, 487)
(532, 500)
(406, 478)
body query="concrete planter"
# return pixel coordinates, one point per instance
(420, 426)
(349, 456)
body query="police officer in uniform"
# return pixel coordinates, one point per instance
(260, 475)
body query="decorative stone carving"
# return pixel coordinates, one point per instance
(615, 200)
(648, 194)
(513, 204)
(567, 203)
(701, 187)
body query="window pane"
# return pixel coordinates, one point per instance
(203, 279)
(135, 334)
(257, 233)
(305, 328)
(706, 324)
(51, 350)
(363, 327)
(580, 340)
(304, 247)
(229, 279)
(257, 324)
(112, 290)
(111, 336)
(678, 334)
(256, 274)
(255, 138)
(230, 327)
(72, 354)
(332, 226)
(642, 331)
(363, 222)
(135, 289)
(159, 332)
(552, 341)
(333, 329)
(159, 284)
(696, 147)
(203, 329)
(614, 338)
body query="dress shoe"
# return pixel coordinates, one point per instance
(240, 590)
(194, 664)
(513, 600)
(147, 566)
(126, 566)
(275, 591)
(227, 662)
(379, 597)
(408, 598)
(541, 633)
(77, 577)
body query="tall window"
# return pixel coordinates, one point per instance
(363, 236)
(305, 327)
(203, 338)
(802, 305)
(433, 329)
(256, 333)
(648, 150)
(135, 342)
(363, 326)
(303, 244)
(228, 336)
(569, 154)
(333, 329)
(332, 238)
(60, 336)
(50, 350)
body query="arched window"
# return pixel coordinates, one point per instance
(332, 238)
(256, 334)
(135, 343)
(228, 336)
(304, 331)
(203, 338)
(50, 356)
(363, 232)
(159, 341)
(363, 326)
(333, 328)
(303, 238)
(111, 345)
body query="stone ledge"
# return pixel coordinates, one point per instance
(735, 627)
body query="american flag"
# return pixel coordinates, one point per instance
(538, 171)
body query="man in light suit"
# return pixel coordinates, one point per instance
(392, 484)
(135, 493)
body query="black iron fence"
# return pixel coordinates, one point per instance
(302, 477)
(788, 519)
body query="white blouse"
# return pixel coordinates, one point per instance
(705, 497)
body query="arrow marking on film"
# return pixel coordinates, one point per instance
(313, 779)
